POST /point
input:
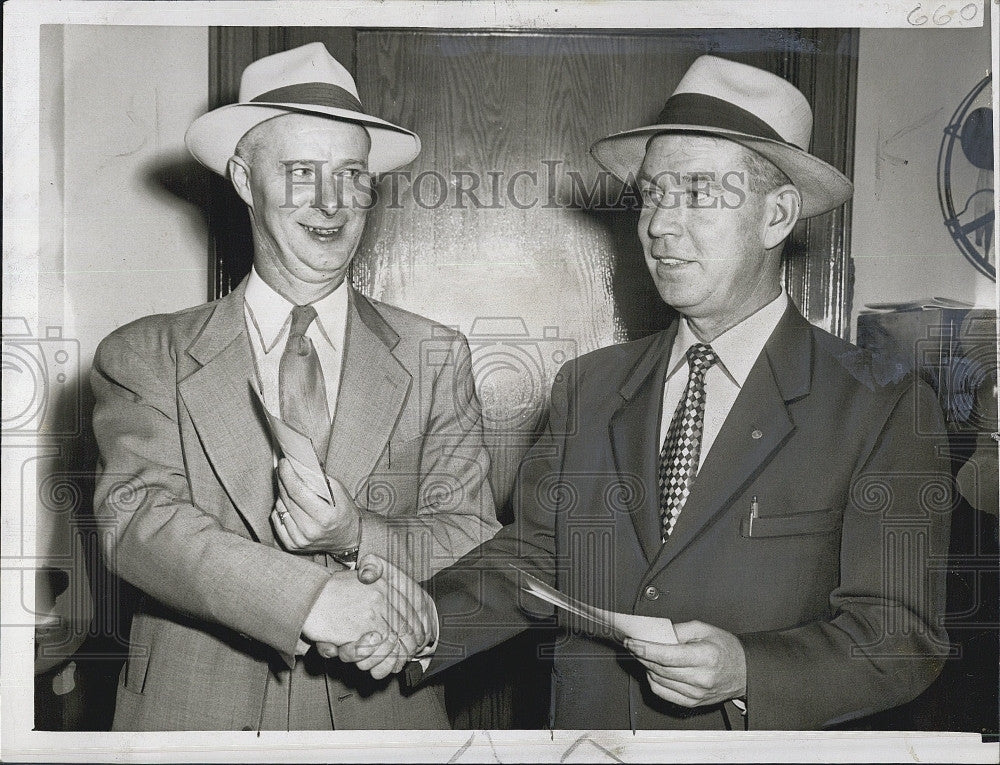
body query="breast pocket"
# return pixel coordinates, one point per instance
(812, 522)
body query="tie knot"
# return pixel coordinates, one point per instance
(302, 317)
(700, 357)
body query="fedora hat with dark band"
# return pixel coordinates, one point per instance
(305, 80)
(744, 104)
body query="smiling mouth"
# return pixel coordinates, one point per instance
(671, 262)
(323, 233)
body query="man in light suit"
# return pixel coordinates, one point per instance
(240, 567)
(753, 479)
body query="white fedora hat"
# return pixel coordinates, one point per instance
(304, 80)
(743, 104)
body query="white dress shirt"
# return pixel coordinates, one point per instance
(737, 350)
(269, 317)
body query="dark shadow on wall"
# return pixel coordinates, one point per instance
(81, 635)
(639, 309)
(180, 177)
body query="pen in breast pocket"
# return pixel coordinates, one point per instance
(754, 509)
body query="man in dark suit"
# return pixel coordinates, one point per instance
(241, 567)
(751, 478)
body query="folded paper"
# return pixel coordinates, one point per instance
(649, 628)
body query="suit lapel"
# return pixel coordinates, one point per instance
(635, 434)
(373, 389)
(219, 396)
(757, 425)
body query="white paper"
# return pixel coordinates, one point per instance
(919, 304)
(649, 628)
(299, 451)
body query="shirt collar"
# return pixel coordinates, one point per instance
(270, 312)
(738, 347)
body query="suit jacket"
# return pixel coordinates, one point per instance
(837, 591)
(186, 484)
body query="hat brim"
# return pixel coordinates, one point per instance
(212, 138)
(822, 186)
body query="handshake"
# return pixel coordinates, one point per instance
(376, 617)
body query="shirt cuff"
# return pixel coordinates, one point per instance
(425, 654)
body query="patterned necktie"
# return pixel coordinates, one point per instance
(682, 446)
(301, 389)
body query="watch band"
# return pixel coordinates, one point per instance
(347, 557)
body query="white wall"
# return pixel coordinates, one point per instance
(131, 244)
(909, 84)
(118, 239)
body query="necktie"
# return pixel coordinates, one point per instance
(682, 446)
(301, 389)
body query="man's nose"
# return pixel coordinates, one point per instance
(329, 194)
(665, 219)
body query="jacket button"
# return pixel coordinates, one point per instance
(651, 593)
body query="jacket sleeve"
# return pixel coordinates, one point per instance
(884, 642)
(455, 509)
(479, 600)
(156, 538)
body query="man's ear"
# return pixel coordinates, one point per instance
(239, 176)
(784, 206)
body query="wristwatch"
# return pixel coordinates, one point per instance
(348, 557)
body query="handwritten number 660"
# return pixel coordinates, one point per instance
(940, 17)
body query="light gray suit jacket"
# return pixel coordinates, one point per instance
(186, 485)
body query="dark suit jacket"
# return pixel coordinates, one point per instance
(836, 595)
(186, 486)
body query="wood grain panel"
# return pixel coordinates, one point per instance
(475, 116)
(818, 271)
(489, 269)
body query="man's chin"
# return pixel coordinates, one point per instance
(677, 296)
(325, 260)
(326, 276)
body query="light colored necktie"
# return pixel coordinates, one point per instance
(301, 389)
(682, 447)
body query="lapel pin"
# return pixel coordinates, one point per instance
(756, 434)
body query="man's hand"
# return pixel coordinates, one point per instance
(383, 656)
(305, 523)
(347, 609)
(707, 666)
